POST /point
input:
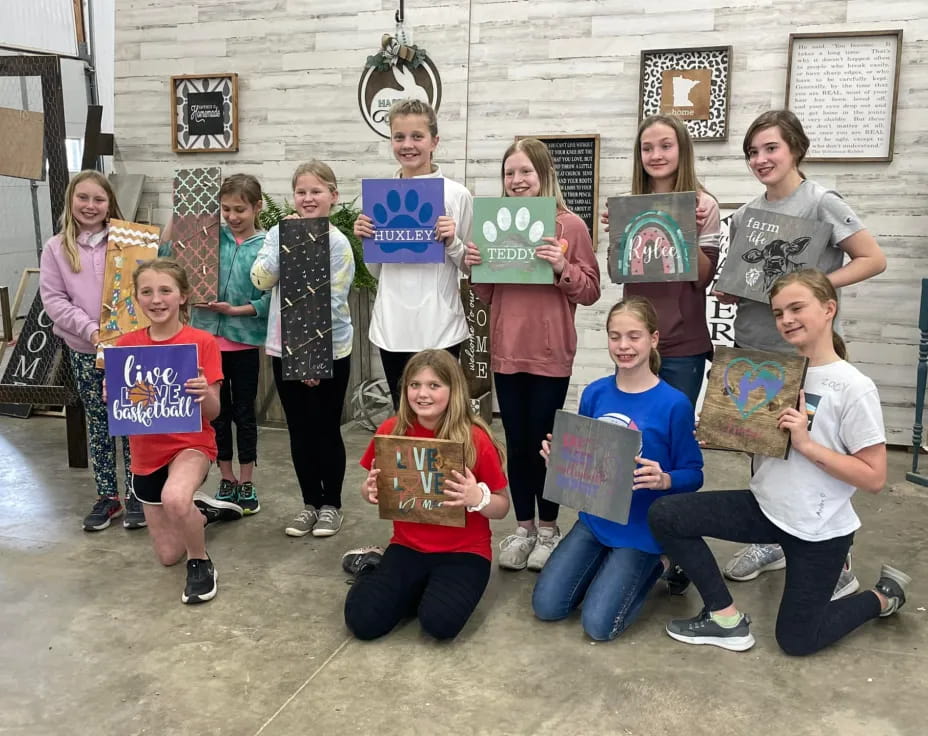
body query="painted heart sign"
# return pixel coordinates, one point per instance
(746, 392)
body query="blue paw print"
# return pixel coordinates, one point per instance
(403, 213)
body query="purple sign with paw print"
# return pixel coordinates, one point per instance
(404, 212)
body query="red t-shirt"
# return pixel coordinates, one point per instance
(153, 451)
(474, 536)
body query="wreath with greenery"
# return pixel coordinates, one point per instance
(392, 51)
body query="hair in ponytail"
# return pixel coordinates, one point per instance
(642, 310)
(822, 289)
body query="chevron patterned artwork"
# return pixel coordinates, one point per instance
(305, 299)
(128, 244)
(195, 230)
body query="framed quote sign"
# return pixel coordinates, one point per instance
(691, 84)
(843, 88)
(204, 113)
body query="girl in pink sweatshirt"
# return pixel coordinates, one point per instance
(71, 285)
(533, 342)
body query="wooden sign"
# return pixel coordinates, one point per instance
(685, 93)
(576, 160)
(767, 245)
(507, 230)
(404, 213)
(652, 238)
(475, 353)
(592, 466)
(412, 473)
(746, 392)
(195, 230)
(305, 299)
(128, 245)
(35, 357)
(22, 152)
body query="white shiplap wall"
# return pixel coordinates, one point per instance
(523, 67)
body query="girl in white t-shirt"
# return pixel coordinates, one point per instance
(418, 305)
(802, 503)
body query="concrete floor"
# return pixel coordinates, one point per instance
(96, 641)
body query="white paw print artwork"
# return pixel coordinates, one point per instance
(525, 232)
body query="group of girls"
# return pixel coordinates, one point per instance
(657, 338)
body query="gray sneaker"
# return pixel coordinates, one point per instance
(892, 584)
(330, 521)
(303, 523)
(515, 549)
(847, 581)
(548, 538)
(702, 629)
(754, 559)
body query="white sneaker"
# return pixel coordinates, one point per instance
(548, 539)
(754, 559)
(847, 581)
(515, 549)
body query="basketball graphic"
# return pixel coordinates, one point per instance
(142, 393)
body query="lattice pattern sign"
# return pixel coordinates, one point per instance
(305, 299)
(195, 230)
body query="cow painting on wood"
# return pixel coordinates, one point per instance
(764, 246)
(778, 258)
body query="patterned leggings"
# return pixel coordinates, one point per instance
(88, 380)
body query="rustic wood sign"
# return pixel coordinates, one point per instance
(305, 299)
(195, 230)
(746, 392)
(507, 230)
(128, 245)
(22, 152)
(767, 245)
(652, 238)
(412, 473)
(475, 353)
(592, 465)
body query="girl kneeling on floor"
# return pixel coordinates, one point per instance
(802, 503)
(607, 566)
(437, 573)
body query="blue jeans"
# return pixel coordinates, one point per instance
(685, 374)
(612, 583)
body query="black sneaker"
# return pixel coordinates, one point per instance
(228, 491)
(892, 584)
(135, 514)
(702, 629)
(215, 510)
(104, 510)
(362, 559)
(677, 581)
(247, 498)
(201, 582)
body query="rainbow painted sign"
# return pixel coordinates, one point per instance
(652, 238)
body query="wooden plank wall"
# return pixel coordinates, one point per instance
(521, 67)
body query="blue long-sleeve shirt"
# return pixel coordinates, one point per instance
(664, 416)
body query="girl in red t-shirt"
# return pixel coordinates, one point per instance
(437, 572)
(167, 469)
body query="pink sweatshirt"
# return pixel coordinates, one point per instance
(73, 301)
(532, 325)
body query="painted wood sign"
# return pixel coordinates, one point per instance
(475, 353)
(305, 299)
(195, 230)
(746, 392)
(591, 466)
(507, 231)
(128, 245)
(652, 238)
(404, 212)
(767, 245)
(145, 390)
(412, 473)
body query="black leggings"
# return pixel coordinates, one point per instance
(527, 405)
(441, 588)
(314, 421)
(395, 363)
(237, 395)
(808, 619)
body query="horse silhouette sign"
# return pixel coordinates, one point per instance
(379, 89)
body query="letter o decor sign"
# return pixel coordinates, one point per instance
(378, 90)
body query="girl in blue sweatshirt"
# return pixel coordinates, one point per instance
(610, 567)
